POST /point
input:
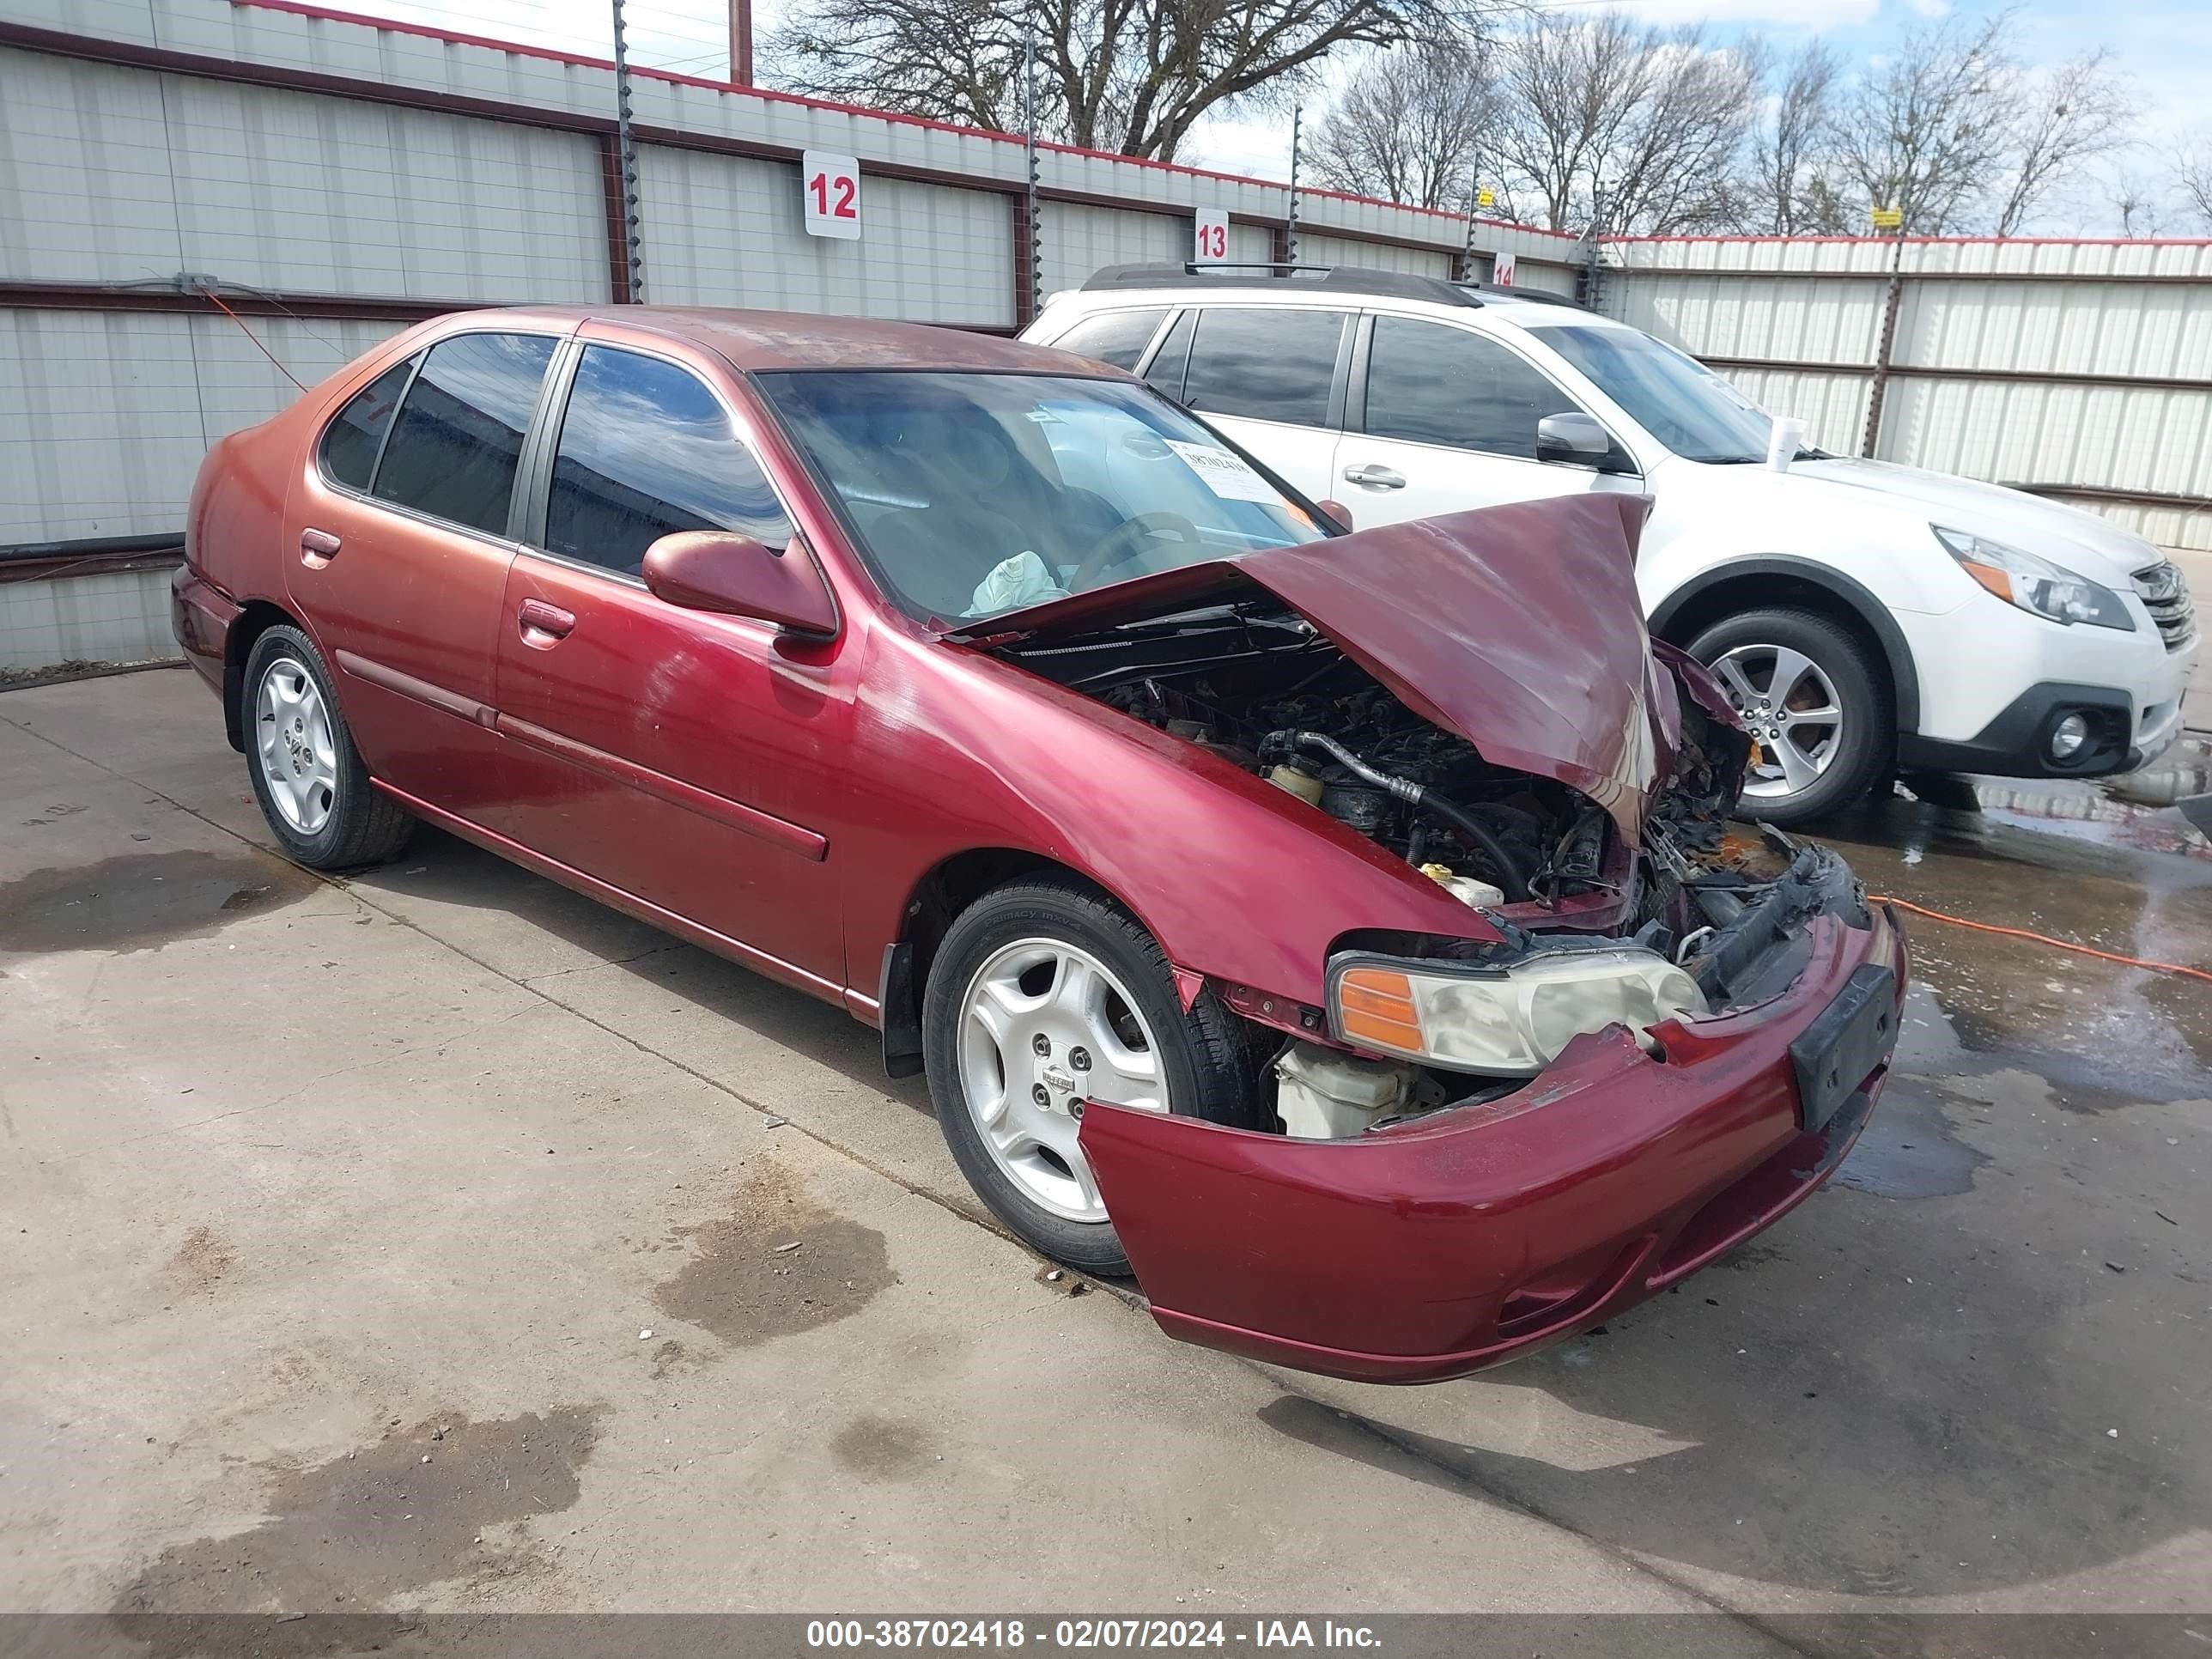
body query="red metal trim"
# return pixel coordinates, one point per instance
(94, 563)
(2152, 498)
(1931, 372)
(1932, 241)
(2159, 279)
(99, 297)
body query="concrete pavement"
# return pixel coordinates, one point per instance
(422, 1239)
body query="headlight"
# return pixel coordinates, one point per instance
(2049, 590)
(1511, 1021)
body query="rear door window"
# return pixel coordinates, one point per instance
(1114, 337)
(1166, 369)
(1275, 364)
(646, 450)
(1428, 383)
(453, 452)
(351, 440)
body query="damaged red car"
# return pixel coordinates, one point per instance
(1336, 931)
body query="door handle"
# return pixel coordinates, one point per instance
(319, 547)
(544, 625)
(1375, 477)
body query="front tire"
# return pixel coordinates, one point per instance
(1043, 994)
(1819, 706)
(310, 780)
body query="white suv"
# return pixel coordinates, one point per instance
(1864, 616)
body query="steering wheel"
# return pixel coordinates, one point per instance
(1125, 541)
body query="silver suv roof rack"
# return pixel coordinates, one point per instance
(1337, 279)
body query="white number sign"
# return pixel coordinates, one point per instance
(1212, 243)
(1501, 272)
(829, 187)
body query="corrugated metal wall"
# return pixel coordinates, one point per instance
(324, 160)
(2081, 369)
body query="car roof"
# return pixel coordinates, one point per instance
(765, 341)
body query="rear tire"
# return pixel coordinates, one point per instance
(1780, 666)
(1041, 984)
(313, 787)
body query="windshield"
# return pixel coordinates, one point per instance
(1685, 405)
(976, 494)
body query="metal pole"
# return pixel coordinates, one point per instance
(1032, 299)
(741, 42)
(632, 224)
(1468, 269)
(1879, 387)
(1290, 237)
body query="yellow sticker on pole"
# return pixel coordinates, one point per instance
(1485, 196)
(1887, 218)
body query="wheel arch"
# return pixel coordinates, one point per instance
(943, 890)
(255, 618)
(1750, 584)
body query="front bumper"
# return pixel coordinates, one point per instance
(1451, 1243)
(2129, 730)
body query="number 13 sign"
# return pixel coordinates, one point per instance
(830, 190)
(1212, 225)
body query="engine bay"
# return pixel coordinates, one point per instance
(1701, 922)
(1273, 698)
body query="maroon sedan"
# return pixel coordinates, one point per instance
(1334, 930)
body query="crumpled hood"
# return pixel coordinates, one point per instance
(1517, 626)
(2087, 542)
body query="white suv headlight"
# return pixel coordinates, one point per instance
(1507, 1022)
(2034, 584)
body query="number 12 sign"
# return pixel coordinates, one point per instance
(830, 190)
(1213, 240)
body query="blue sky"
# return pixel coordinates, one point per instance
(2164, 47)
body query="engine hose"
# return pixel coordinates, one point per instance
(1512, 881)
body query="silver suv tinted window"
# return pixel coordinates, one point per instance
(1272, 364)
(1114, 337)
(1428, 383)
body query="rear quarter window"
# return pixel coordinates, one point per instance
(351, 439)
(1117, 338)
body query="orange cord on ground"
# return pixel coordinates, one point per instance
(2042, 938)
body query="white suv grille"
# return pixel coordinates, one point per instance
(2165, 593)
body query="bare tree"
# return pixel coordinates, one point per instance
(2079, 111)
(2141, 204)
(1789, 187)
(1409, 125)
(1131, 75)
(2192, 176)
(1636, 129)
(1933, 128)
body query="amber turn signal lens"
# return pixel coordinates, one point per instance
(1375, 1006)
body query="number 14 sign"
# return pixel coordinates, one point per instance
(830, 188)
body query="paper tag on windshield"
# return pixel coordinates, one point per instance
(1226, 475)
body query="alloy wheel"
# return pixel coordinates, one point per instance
(1790, 705)
(299, 758)
(1045, 1026)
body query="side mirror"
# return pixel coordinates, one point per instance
(721, 571)
(1337, 511)
(1578, 440)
